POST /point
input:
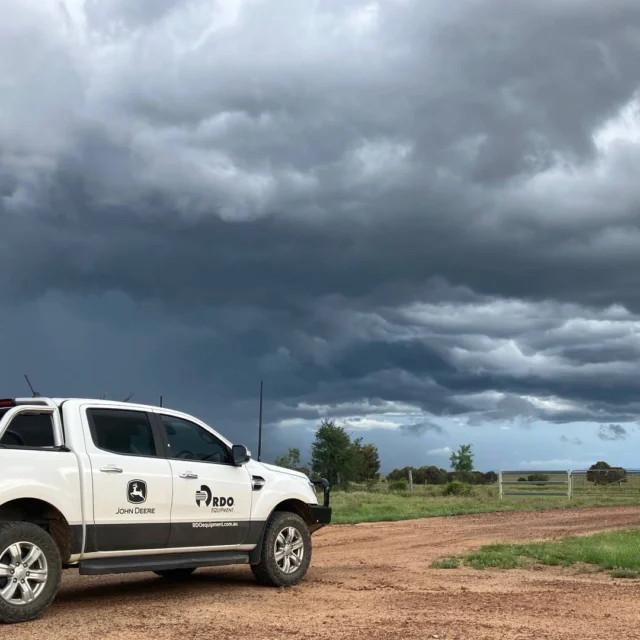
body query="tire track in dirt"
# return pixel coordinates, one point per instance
(369, 581)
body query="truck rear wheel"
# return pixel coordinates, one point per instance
(30, 571)
(286, 551)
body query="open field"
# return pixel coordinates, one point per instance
(427, 501)
(371, 581)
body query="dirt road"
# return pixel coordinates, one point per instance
(368, 581)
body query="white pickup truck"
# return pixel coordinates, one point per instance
(115, 487)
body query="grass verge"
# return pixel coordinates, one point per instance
(352, 507)
(614, 551)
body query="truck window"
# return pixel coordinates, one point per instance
(122, 431)
(33, 430)
(189, 441)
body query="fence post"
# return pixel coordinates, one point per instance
(570, 484)
(500, 483)
(410, 481)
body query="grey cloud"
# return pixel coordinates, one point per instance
(612, 432)
(220, 199)
(575, 441)
(420, 428)
(110, 15)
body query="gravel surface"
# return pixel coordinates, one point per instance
(368, 581)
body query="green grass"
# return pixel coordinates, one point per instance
(379, 504)
(624, 573)
(614, 551)
(447, 563)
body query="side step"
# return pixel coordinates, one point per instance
(138, 564)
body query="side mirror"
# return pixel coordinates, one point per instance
(239, 454)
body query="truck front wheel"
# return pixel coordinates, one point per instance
(286, 551)
(30, 571)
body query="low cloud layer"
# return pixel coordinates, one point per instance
(394, 213)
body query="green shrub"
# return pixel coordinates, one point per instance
(447, 563)
(457, 488)
(398, 485)
(538, 477)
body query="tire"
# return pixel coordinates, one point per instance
(175, 574)
(28, 538)
(272, 571)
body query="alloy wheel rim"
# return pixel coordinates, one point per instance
(289, 550)
(23, 573)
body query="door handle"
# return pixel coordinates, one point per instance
(111, 469)
(189, 475)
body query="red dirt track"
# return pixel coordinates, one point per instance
(368, 581)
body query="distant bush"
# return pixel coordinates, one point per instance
(538, 477)
(399, 485)
(457, 488)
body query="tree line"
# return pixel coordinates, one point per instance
(462, 470)
(435, 475)
(341, 460)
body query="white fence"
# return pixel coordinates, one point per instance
(596, 483)
(525, 483)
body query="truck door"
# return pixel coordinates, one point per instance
(132, 481)
(211, 496)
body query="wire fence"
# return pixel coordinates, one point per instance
(577, 483)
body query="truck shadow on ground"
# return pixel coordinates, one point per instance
(85, 590)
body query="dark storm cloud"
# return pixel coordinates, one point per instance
(612, 432)
(379, 208)
(420, 428)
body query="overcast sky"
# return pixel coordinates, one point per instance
(421, 218)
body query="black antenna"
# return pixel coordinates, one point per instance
(260, 426)
(35, 393)
(160, 400)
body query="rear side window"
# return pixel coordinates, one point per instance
(120, 431)
(30, 430)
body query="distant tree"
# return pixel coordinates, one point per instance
(332, 454)
(401, 474)
(491, 477)
(477, 477)
(366, 461)
(423, 475)
(462, 462)
(602, 473)
(432, 475)
(290, 460)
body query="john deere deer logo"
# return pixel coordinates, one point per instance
(137, 491)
